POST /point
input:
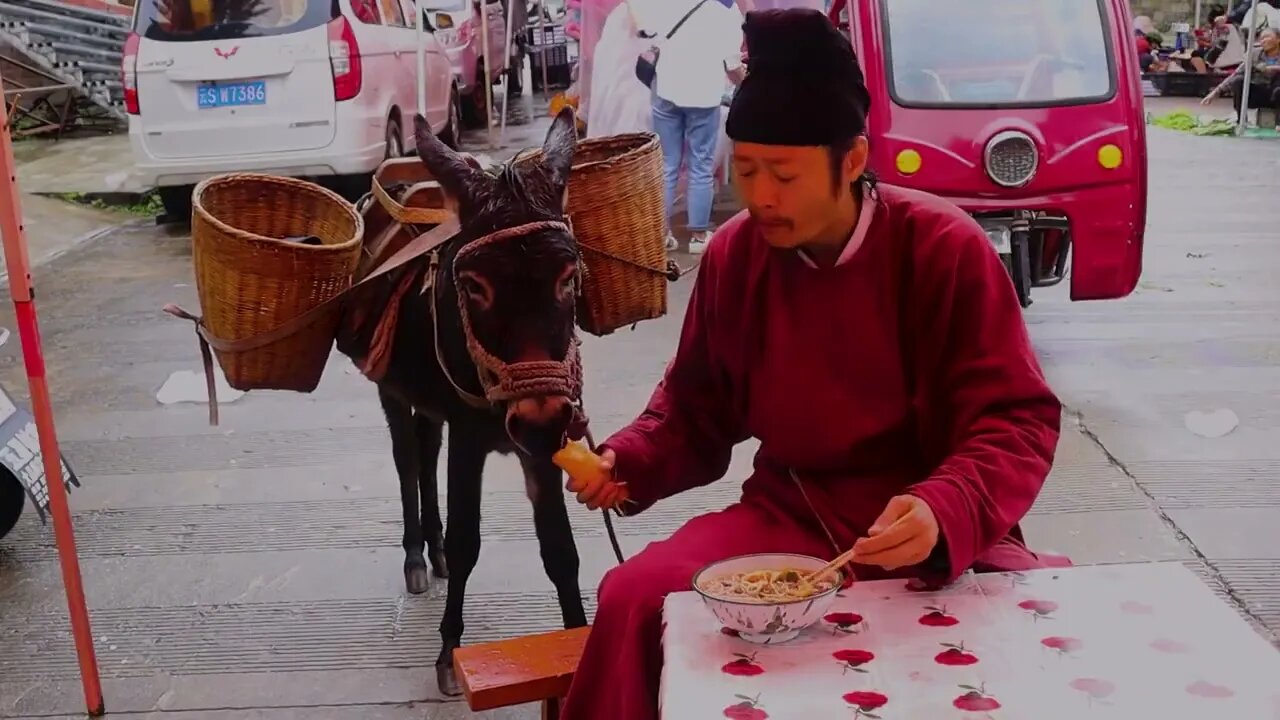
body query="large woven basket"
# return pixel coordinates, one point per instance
(254, 276)
(616, 208)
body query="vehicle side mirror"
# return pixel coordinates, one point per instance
(443, 20)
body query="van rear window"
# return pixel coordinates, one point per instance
(197, 20)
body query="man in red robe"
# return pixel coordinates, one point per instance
(868, 336)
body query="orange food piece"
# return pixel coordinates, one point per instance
(582, 465)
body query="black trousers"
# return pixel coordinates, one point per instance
(1264, 94)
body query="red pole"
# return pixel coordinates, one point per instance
(15, 257)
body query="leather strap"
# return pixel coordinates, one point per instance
(421, 245)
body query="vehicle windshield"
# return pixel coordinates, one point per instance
(997, 52)
(196, 20)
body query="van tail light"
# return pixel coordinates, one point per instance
(129, 70)
(344, 57)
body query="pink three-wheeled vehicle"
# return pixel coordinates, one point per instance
(1026, 114)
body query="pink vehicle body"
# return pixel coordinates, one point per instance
(1028, 116)
(464, 43)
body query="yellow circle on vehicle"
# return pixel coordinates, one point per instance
(1110, 157)
(909, 162)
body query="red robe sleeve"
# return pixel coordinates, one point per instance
(987, 407)
(685, 436)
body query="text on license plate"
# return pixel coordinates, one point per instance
(231, 95)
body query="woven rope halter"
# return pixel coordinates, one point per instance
(501, 381)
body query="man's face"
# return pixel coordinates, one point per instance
(791, 192)
(1270, 40)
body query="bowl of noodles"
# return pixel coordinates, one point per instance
(765, 598)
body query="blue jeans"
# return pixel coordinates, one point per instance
(688, 134)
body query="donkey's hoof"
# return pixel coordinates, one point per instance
(439, 567)
(417, 580)
(447, 681)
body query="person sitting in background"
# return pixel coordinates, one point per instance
(1148, 41)
(1212, 40)
(1147, 60)
(1264, 86)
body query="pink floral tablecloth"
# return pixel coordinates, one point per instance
(1124, 641)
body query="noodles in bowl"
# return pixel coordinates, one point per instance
(767, 598)
(765, 586)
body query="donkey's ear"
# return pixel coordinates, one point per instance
(557, 151)
(456, 176)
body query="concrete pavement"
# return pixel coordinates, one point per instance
(253, 570)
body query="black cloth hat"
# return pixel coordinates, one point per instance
(803, 85)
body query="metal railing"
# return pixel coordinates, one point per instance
(77, 46)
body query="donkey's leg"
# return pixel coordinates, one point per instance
(430, 435)
(467, 452)
(555, 536)
(405, 450)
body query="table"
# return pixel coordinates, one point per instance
(1120, 641)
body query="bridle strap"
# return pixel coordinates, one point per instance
(469, 398)
(502, 381)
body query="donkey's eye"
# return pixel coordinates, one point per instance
(475, 290)
(471, 286)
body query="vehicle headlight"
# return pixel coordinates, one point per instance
(1011, 159)
(909, 162)
(1110, 157)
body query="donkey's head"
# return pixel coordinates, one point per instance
(516, 288)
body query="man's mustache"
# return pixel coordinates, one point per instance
(770, 221)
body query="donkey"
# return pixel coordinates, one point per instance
(483, 341)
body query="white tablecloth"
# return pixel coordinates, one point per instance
(1126, 642)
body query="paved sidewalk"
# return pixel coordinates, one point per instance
(54, 227)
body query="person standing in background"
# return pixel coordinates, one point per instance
(698, 59)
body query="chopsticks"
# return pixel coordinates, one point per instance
(823, 571)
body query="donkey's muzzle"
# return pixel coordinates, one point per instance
(538, 424)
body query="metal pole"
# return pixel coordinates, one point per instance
(422, 61)
(542, 44)
(1197, 23)
(22, 291)
(506, 62)
(1243, 120)
(487, 80)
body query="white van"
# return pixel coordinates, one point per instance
(323, 89)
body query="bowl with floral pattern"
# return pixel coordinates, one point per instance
(730, 590)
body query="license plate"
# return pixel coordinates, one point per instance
(1000, 237)
(231, 95)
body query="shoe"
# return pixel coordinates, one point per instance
(672, 243)
(698, 242)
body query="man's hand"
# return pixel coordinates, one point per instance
(605, 494)
(904, 535)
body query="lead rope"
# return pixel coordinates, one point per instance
(803, 493)
(835, 546)
(591, 445)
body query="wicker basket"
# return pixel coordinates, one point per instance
(616, 208)
(253, 279)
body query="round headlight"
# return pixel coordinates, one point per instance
(1110, 157)
(1011, 159)
(909, 162)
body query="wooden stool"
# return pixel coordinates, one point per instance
(533, 668)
